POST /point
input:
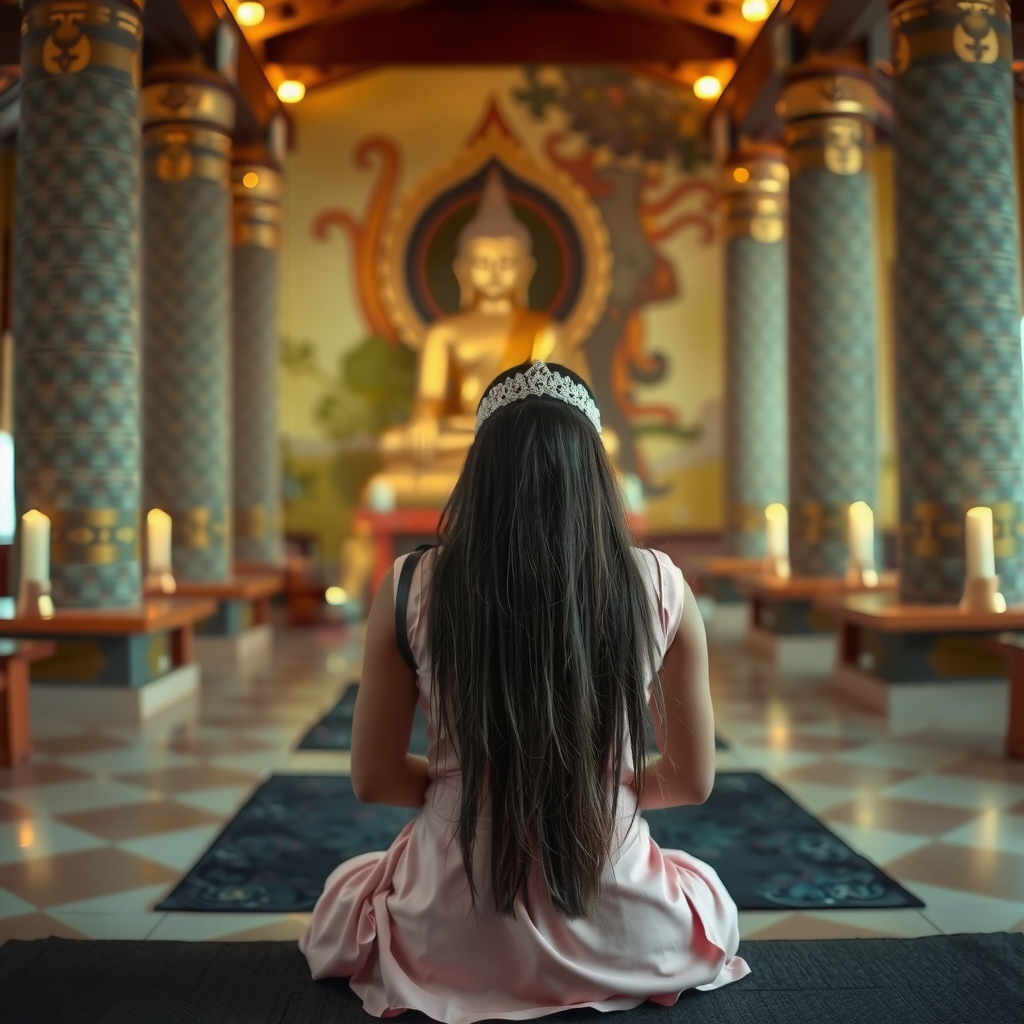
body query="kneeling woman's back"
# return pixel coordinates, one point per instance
(528, 883)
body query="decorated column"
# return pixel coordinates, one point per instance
(76, 294)
(755, 187)
(187, 117)
(958, 345)
(257, 187)
(833, 462)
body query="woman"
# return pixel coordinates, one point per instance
(528, 883)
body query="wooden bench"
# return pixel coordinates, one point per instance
(923, 665)
(15, 719)
(786, 624)
(114, 663)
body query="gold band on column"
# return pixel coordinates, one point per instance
(829, 109)
(257, 190)
(978, 32)
(755, 186)
(184, 94)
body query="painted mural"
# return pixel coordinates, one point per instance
(604, 176)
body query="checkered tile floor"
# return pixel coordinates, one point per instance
(106, 820)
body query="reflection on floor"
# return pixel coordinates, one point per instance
(97, 830)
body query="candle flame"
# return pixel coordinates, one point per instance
(776, 511)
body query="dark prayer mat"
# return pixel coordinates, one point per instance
(770, 853)
(275, 855)
(942, 979)
(334, 730)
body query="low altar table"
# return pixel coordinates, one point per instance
(714, 577)
(1012, 645)
(395, 533)
(15, 721)
(786, 625)
(403, 530)
(923, 665)
(117, 664)
(239, 632)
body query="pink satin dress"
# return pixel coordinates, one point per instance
(399, 924)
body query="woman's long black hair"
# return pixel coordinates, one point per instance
(541, 639)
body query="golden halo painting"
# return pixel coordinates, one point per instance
(570, 245)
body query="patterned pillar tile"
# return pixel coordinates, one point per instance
(958, 349)
(186, 232)
(257, 214)
(755, 186)
(833, 456)
(76, 295)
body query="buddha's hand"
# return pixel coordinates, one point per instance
(422, 439)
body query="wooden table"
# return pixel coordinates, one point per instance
(790, 606)
(119, 646)
(15, 720)
(242, 601)
(933, 653)
(715, 575)
(1012, 645)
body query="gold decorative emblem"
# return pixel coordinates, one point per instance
(844, 153)
(67, 48)
(182, 100)
(1004, 514)
(975, 40)
(175, 160)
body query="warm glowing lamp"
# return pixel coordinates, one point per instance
(335, 596)
(756, 10)
(250, 179)
(707, 87)
(290, 91)
(740, 175)
(250, 13)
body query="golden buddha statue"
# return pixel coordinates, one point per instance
(494, 331)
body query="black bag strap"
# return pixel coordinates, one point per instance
(402, 605)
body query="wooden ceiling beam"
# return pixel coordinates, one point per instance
(498, 32)
(187, 30)
(748, 101)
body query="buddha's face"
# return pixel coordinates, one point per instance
(495, 267)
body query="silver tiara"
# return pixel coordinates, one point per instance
(539, 380)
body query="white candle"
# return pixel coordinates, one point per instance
(35, 547)
(158, 536)
(777, 529)
(981, 559)
(861, 536)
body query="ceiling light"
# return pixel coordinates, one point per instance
(290, 91)
(756, 10)
(250, 13)
(250, 179)
(707, 87)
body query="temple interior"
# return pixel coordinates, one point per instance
(259, 263)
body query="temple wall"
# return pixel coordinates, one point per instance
(351, 136)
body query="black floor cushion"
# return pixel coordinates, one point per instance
(944, 979)
(334, 730)
(278, 850)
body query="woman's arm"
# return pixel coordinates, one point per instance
(382, 770)
(685, 770)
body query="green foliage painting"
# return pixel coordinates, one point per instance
(371, 390)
